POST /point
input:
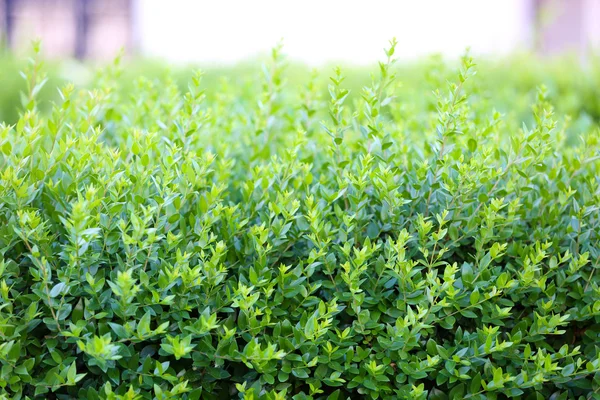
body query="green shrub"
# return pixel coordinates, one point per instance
(266, 241)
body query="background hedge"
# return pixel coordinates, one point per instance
(432, 236)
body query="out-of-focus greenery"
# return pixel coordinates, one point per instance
(508, 83)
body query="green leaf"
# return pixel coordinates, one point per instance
(472, 143)
(143, 327)
(335, 395)
(467, 273)
(72, 373)
(474, 298)
(475, 385)
(6, 147)
(119, 330)
(57, 289)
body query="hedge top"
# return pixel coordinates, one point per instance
(276, 242)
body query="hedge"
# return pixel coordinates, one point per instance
(269, 242)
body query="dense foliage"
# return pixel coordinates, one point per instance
(436, 240)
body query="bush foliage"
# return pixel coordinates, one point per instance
(265, 241)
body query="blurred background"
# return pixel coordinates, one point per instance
(518, 45)
(314, 31)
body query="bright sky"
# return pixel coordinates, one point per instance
(318, 31)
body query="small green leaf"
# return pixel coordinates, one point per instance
(472, 144)
(57, 289)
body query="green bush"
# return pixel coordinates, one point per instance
(266, 241)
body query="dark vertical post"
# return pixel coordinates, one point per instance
(81, 28)
(8, 22)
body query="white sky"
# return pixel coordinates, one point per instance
(318, 31)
